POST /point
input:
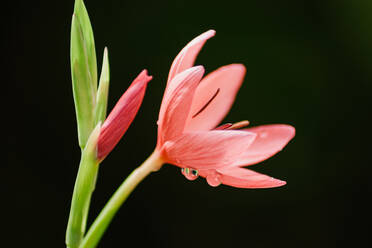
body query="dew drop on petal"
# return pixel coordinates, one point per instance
(214, 178)
(189, 173)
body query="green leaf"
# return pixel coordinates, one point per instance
(83, 189)
(103, 88)
(83, 71)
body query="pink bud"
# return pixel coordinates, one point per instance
(122, 115)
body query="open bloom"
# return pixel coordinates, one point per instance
(188, 136)
(122, 115)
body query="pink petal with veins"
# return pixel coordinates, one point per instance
(242, 178)
(175, 107)
(206, 150)
(186, 58)
(122, 115)
(270, 140)
(214, 97)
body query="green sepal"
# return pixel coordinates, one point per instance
(103, 89)
(83, 71)
(83, 189)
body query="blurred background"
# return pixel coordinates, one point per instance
(309, 64)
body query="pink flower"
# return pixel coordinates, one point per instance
(122, 115)
(191, 109)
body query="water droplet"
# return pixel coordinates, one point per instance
(214, 178)
(189, 173)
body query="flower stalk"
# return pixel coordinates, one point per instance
(83, 189)
(94, 234)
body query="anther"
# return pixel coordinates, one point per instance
(239, 125)
(224, 126)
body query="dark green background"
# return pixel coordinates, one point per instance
(309, 64)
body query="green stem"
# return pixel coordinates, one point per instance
(94, 234)
(83, 189)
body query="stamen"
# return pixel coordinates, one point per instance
(239, 125)
(206, 105)
(224, 126)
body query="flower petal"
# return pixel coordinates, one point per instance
(208, 150)
(270, 140)
(176, 104)
(214, 97)
(244, 178)
(122, 115)
(186, 58)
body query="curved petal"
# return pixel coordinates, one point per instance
(122, 115)
(244, 178)
(175, 106)
(186, 58)
(214, 97)
(270, 140)
(207, 150)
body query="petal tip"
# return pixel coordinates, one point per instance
(144, 76)
(279, 183)
(201, 39)
(195, 70)
(236, 67)
(210, 32)
(199, 68)
(206, 35)
(290, 130)
(241, 68)
(272, 183)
